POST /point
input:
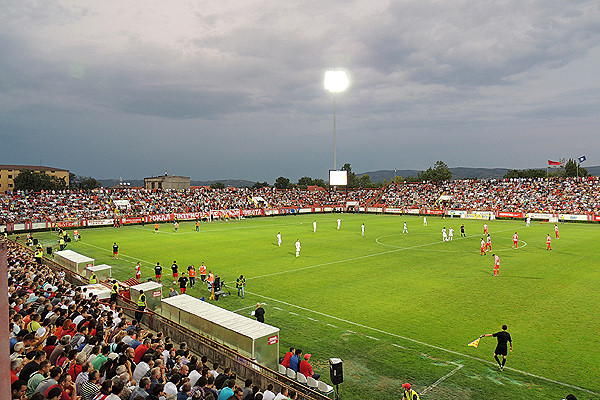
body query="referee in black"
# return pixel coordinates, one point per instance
(502, 348)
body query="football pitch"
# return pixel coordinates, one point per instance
(398, 307)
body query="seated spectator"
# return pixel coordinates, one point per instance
(287, 357)
(306, 368)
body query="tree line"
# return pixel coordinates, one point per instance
(439, 172)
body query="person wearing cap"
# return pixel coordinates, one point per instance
(409, 394)
(306, 368)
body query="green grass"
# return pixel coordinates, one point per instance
(399, 307)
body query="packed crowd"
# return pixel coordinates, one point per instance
(67, 345)
(517, 195)
(574, 196)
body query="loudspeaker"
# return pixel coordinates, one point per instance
(35, 241)
(49, 250)
(336, 374)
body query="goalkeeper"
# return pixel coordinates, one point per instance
(502, 348)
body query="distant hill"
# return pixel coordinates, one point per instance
(457, 173)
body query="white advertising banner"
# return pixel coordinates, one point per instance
(539, 215)
(572, 217)
(99, 222)
(413, 211)
(394, 210)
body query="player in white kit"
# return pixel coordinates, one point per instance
(298, 247)
(450, 233)
(405, 230)
(362, 229)
(444, 235)
(278, 238)
(339, 222)
(424, 221)
(315, 226)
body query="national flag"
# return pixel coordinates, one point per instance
(554, 162)
(474, 343)
(582, 159)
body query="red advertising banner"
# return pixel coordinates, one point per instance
(160, 217)
(273, 340)
(67, 224)
(193, 215)
(434, 212)
(253, 213)
(596, 218)
(505, 214)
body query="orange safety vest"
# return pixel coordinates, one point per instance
(211, 277)
(192, 273)
(155, 226)
(203, 270)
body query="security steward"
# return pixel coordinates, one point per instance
(141, 304)
(409, 394)
(114, 291)
(39, 253)
(61, 243)
(93, 278)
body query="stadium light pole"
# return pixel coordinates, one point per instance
(336, 81)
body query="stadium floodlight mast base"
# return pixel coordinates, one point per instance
(336, 81)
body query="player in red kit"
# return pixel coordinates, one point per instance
(549, 242)
(496, 265)
(515, 240)
(485, 229)
(482, 247)
(488, 245)
(556, 231)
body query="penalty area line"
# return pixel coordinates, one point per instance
(443, 378)
(425, 344)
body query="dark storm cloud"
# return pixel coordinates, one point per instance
(244, 79)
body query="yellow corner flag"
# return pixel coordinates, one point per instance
(474, 343)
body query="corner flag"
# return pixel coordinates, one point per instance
(474, 343)
(582, 159)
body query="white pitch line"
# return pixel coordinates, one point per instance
(121, 254)
(293, 313)
(333, 326)
(371, 337)
(427, 344)
(443, 378)
(245, 308)
(312, 319)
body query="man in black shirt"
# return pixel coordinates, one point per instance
(183, 280)
(175, 269)
(502, 348)
(158, 272)
(259, 313)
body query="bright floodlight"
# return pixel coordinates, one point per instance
(336, 81)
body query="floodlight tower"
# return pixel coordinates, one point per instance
(336, 81)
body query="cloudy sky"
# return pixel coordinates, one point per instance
(234, 89)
